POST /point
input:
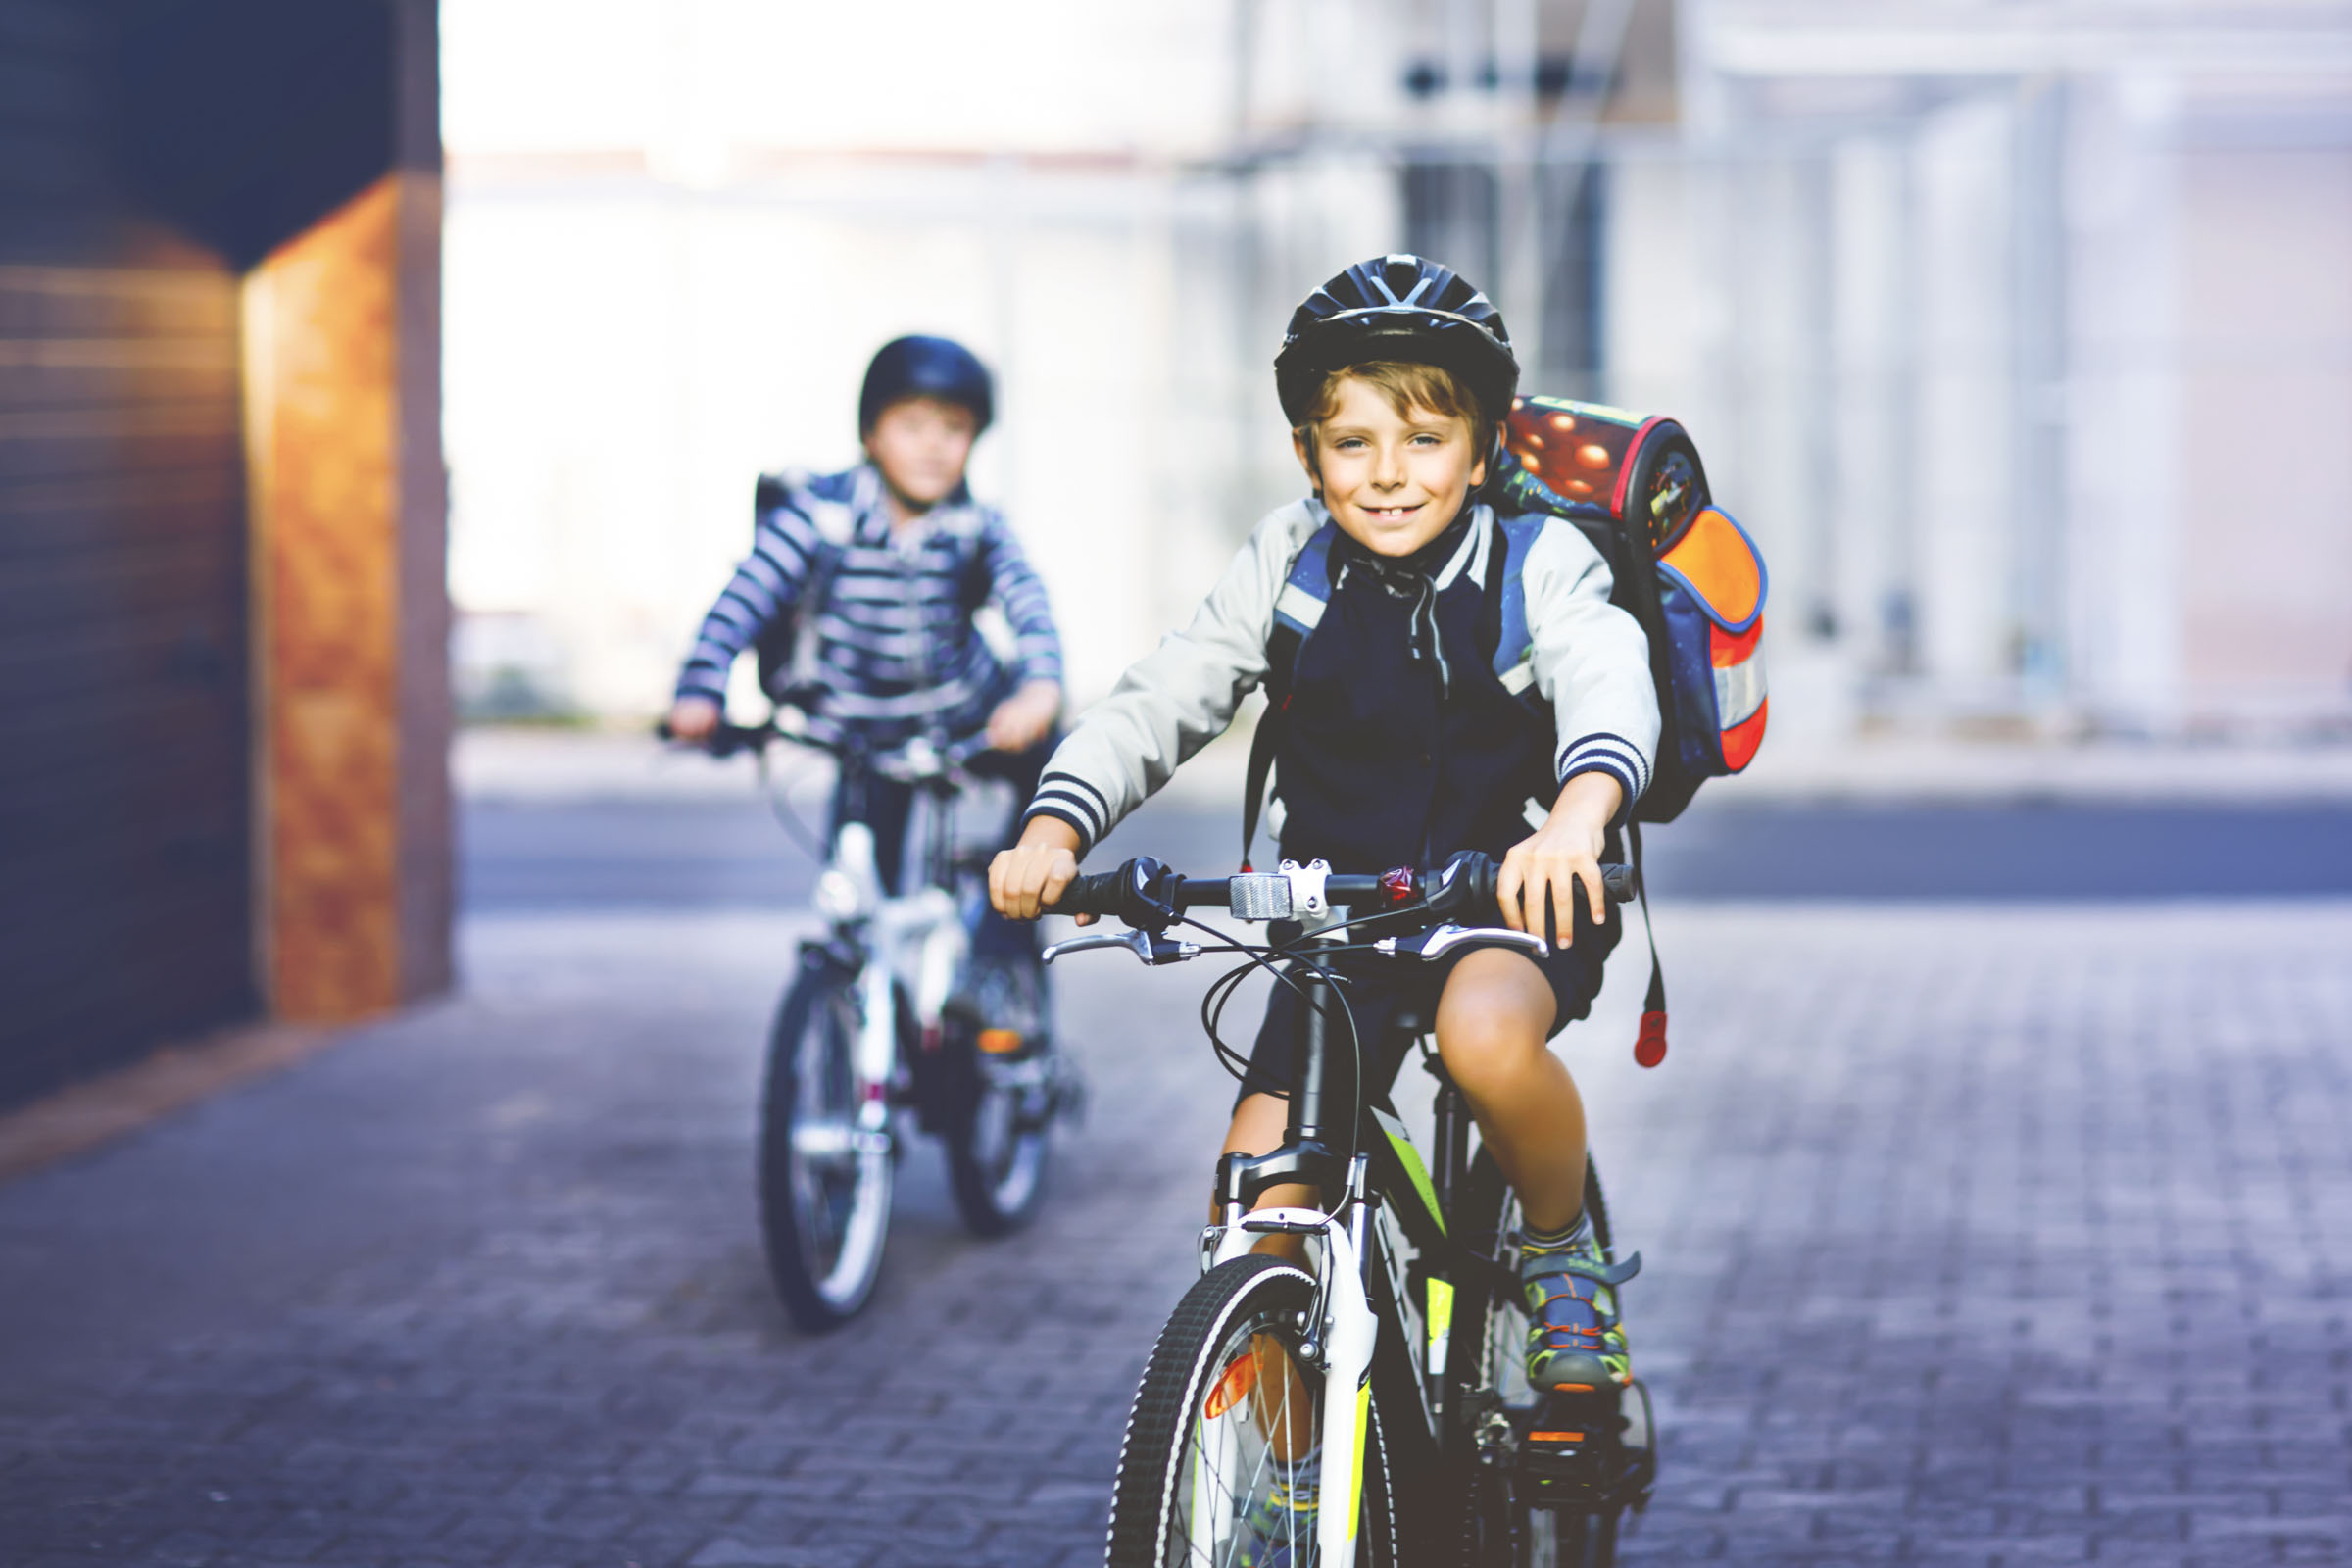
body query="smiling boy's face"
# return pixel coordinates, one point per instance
(1393, 480)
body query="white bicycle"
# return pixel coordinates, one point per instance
(884, 1030)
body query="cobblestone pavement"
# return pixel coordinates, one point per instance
(1984, 1236)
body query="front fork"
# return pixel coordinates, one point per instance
(876, 1059)
(928, 921)
(1343, 1333)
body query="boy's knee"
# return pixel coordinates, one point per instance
(1480, 1042)
(1492, 1029)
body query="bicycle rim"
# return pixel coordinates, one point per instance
(825, 1187)
(1211, 1472)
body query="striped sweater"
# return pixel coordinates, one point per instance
(896, 652)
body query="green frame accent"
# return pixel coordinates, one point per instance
(1401, 1145)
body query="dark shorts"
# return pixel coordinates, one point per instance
(1385, 992)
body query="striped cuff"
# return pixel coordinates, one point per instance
(1068, 798)
(705, 683)
(1039, 666)
(1612, 754)
(1086, 839)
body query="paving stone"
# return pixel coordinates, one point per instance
(1974, 1235)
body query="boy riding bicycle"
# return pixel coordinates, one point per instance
(1396, 743)
(875, 574)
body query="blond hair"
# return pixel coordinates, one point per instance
(1406, 384)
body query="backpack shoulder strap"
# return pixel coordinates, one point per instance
(1297, 611)
(1307, 589)
(1514, 646)
(836, 524)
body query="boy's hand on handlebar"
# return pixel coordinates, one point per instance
(693, 718)
(1026, 880)
(1561, 860)
(1025, 718)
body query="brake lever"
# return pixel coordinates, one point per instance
(1438, 940)
(1150, 950)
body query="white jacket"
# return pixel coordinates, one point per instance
(1590, 663)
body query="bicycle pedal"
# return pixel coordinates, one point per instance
(1571, 1454)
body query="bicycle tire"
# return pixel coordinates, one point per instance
(824, 1190)
(997, 1138)
(1215, 1331)
(1499, 1529)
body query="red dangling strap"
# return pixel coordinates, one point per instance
(1649, 1046)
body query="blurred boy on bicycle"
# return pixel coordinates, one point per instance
(874, 575)
(1400, 744)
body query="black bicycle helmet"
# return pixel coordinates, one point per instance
(1396, 308)
(925, 368)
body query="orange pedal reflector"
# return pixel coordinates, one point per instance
(1000, 1041)
(1556, 1437)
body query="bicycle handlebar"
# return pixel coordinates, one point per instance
(916, 761)
(1150, 896)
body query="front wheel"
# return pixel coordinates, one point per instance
(825, 1176)
(1223, 1461)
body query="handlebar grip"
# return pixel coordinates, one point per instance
(1102, 892)
(725, 740)
(1616, 879)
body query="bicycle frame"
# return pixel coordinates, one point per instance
(917, 940)
(1360, 1237)
(1346, 1330)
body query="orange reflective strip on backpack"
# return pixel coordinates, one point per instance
(1718, 564)
(1741, 741)
(1738, 663)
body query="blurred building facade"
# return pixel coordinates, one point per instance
(2026, 334)
(2020, 336)
(223, 609)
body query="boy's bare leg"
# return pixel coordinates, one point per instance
(1492, 1024)
(1258, 1123)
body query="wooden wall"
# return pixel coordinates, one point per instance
(343, 364)
(223, 765)
(124, 883)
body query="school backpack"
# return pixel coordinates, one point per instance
(1690, 575)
